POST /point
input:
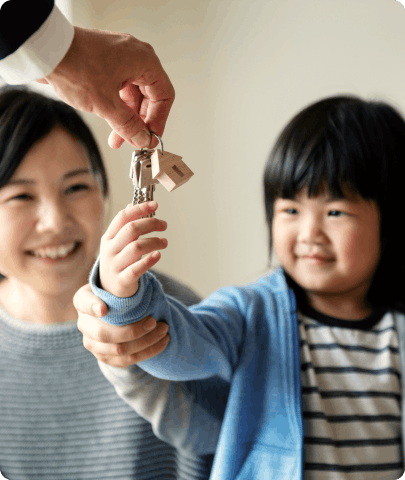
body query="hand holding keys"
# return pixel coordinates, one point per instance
(149, 167)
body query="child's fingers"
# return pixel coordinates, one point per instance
(136, 250)
(133, 230)
(129, 214)
(134, 271)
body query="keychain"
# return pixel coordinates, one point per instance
(149, 167)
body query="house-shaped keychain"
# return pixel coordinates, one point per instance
(169, 169)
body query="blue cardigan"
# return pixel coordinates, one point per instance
(248, 336)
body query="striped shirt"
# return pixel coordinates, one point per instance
(351, 397)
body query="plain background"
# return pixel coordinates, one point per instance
(241, 70)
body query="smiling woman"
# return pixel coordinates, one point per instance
(59, 417)
(50, 244)
(46, 204)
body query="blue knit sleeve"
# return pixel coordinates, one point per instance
(205, 339)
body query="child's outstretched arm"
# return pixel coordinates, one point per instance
(172, 408)
(124, 254)
(204, 342)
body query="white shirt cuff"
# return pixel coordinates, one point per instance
(41, 53)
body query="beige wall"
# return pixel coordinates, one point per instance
(241, 69)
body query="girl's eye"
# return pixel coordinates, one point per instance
(77, 188)
(336, 213)
(291, 211)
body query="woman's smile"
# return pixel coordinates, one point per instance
(57, 252)
(51, 218)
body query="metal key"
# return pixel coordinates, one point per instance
(141, 175)
(149, 167)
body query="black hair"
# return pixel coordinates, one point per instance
(27, 117)
(348, 145)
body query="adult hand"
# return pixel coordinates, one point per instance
(120, 79)
(114, 345)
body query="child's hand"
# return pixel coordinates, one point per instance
(122, 248)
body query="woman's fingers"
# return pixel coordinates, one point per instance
(86, 302)
(123, 361)
(121, 346)
(99, 331)
(126, 348)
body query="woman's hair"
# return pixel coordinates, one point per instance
(27, 117)
(347, 145)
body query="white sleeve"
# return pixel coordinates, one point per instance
(41, 52)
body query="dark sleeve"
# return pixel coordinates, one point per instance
(177, 289)
(19, 19)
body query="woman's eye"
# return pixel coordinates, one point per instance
(22, 196)
(77, 188)
(291, 211)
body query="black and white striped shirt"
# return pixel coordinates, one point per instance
(351, 397)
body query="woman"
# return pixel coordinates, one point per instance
(59, 417)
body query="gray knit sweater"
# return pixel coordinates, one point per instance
(60, 419)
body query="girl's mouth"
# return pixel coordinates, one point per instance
(317, 258)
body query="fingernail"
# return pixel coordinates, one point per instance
(149, 324)
(152, 204)
(141, 139)
(97, 310)
(155, 255)
(162, 328)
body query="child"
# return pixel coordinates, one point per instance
(314, 351)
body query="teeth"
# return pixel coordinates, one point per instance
(60, 251)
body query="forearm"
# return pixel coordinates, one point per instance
(34, 37)
(204, 342)
(172, 409)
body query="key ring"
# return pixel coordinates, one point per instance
(160, 141)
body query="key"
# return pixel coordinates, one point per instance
(141, 175)
(149, 167)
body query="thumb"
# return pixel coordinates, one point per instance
(86, 302)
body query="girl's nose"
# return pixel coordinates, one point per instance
(311, 231)
(53, 217)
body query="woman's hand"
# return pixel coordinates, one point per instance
(113, 345)
(124, 255)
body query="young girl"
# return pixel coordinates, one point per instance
(59, 417)
(314, 351)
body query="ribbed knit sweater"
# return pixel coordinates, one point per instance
(60, 419)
